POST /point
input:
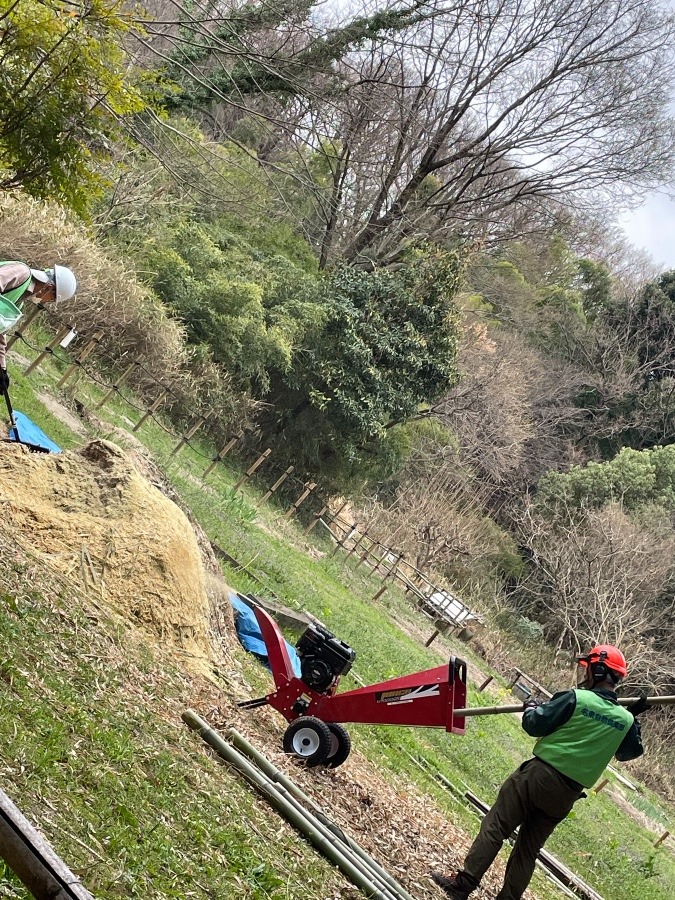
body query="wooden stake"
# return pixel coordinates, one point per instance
(665, 835)
(151, 409)
(315, 520)
(247, 474)
(25, 322)
(223, 453)
(32, 859)
(599, 787)
(301, 499)
(123, 377)
(48, 349)
(84, 353)
(485, 684)
(276, 485)
(186, 437)
(386, 578)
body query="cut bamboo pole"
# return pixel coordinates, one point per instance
(301, 499)
(39, 359)
(151, 409)
(518, 708)
(277, 484)
(25, 322)
(386, 578)
(326, 842)
(251, 470)
(120, 381)
(223, 453)
(189, 434)
(84, 353)
(275, 775)
(315, 521)
(33, 861)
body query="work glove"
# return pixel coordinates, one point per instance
(533, 704)
(4, 379)
(640, 705)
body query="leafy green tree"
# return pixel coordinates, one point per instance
(387, 345)
(249, 307)
(635, 478)
(65, 82)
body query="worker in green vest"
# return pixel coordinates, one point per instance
(578, 733)
(19, 282)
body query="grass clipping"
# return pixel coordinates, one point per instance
(89, 514)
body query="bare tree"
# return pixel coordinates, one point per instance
(599, 575)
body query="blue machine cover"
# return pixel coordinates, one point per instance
(250, 636)
(29, 433)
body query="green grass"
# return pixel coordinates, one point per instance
(92, 748)
(599, 841)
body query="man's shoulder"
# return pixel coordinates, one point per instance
(13, 274)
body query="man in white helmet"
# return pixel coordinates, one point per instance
(19, 282)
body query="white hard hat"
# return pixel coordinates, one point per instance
(61, 277)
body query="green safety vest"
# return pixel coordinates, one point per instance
(582, 748)
(10, 313)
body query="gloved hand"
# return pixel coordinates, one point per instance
(532, 704)
(640, 704)
(4, 379)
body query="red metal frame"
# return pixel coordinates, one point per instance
(425, 699)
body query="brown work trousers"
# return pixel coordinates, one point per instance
(535, 797)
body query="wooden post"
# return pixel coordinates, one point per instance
(301, 499)
(186, 437)
(383, 559)
(386, 578)
(25, 322)
(247, 474)
(48, 349)
(599, 787)
(348, 531)
(315, 521)
(84, 353)
(357, 543)
(276, 485)
(32, 859)
(223, 453)
(123, 377)
(366, 553)
(485, 684)
(151, 409)
(665, 835)
(432, 638)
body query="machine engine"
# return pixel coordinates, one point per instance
(323, 658)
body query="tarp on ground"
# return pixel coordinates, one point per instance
(29, 433)
(250, 635)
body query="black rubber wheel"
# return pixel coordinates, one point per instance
(341, 745)
(309, 739)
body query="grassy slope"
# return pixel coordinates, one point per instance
(601, 843)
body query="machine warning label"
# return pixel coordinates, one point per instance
(407, 695)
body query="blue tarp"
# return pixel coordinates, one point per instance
(250, 636)
(29, 433)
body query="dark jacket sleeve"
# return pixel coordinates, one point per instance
(631, 746)
(551, 715)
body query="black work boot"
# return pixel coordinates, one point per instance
(455, 886)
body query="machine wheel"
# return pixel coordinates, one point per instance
(340, 745)
(309, 739)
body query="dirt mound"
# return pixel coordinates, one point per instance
(91, 515)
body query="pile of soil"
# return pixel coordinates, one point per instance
(90, 514)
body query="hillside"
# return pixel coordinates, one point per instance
(94, 750)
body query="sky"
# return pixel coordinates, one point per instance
(652, 225)
(652, 228)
